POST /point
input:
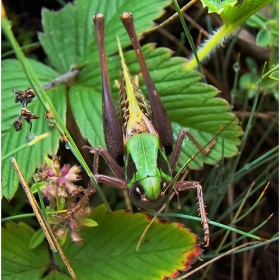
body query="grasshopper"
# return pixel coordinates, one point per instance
(139, 145)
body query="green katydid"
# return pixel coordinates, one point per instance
(143, 139)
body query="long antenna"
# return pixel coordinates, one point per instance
(112, 128)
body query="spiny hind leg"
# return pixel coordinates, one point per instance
(187, 185)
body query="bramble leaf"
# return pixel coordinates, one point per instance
(18, 260)
(189, 103)
(64, 48)
(234, 12)
(30, 157)
(109, 250)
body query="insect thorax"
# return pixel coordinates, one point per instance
(135, 110)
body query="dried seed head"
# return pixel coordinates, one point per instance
(76, 237)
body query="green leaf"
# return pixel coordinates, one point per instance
(68, 40)
(249, 81)
(274, 76)
(109, 250)
(68, 35)
(18, 261)
(88, 222)
(256, 21)
(263, 37)
(234, 13)
(14, 77)
(270, 84)
(57, 275)
(38, 185)
(84, 95)
(275, 92)
(60, 203)
(252, 64)
(37, 238)
(64, 48)
(216, 6)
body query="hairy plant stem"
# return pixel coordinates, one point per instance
(210, 45)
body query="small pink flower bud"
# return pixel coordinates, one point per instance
(65, 169)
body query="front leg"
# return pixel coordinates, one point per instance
(186, 185)
(114, 182)
(114, 166)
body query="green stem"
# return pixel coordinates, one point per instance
(209, 46)
(13, 152)
(247, 234)
(26, 47)
(190, 39)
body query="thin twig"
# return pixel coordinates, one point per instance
(170, 19)
(63, 79)
(174, 40)
(217, 258)
(41, 219)
(127, 200)
(266, 115)
(192, 22)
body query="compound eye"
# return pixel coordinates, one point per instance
(163, 185)
(140, 199)
(136, 193)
